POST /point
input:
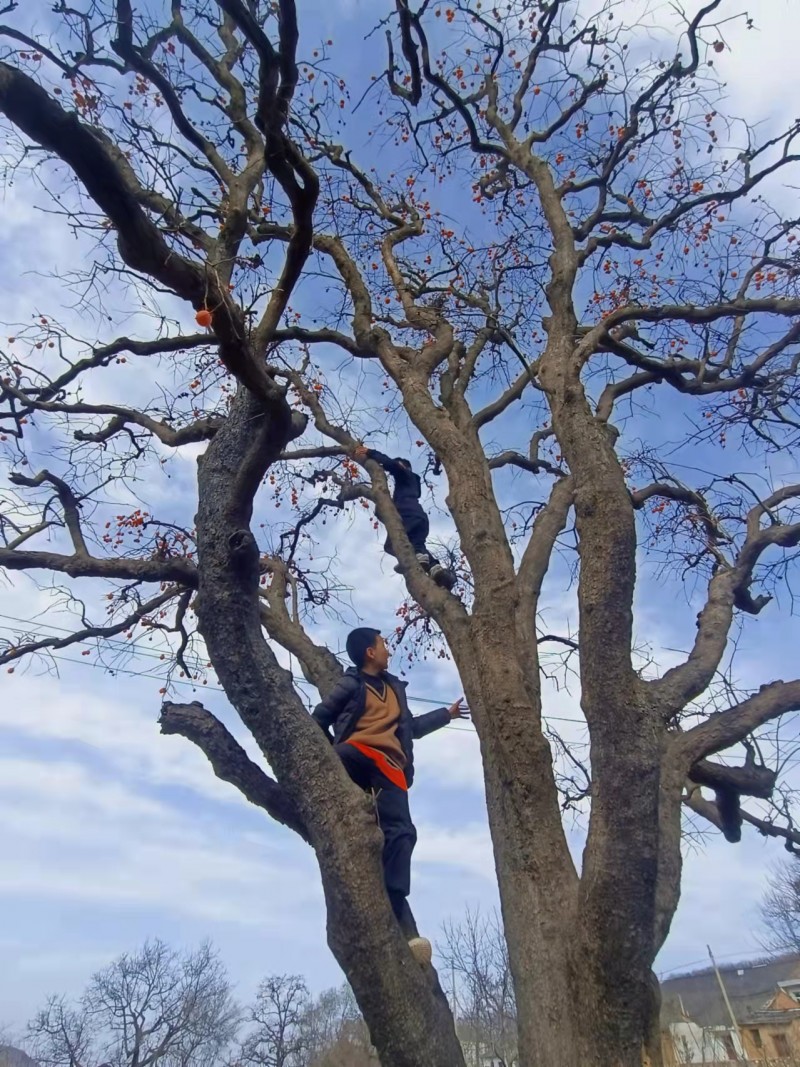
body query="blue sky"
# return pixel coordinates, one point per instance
(110, 833)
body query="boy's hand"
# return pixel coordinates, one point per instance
(455, 711)
(360, 451)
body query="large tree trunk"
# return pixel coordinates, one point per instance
(409, 1020)
(535, 873)
(580, 952)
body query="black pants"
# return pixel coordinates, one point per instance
(394, 818)
(417, 528)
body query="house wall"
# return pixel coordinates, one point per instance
(685, 1042)
(770, 1049)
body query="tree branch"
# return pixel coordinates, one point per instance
(728, 589)
(684, 313)
(85, 566)
(533, 466)
(91, 156)
(708, 810)
(103, 355)
(135, 59)
(751, 779)
(89, 632)
(503, 402)
(69, 503)
(320, 667)
(200, 430)
(726, 728)
(229, 760)
(326, 336)
(322, 452)
(681, 493)
(85, 150)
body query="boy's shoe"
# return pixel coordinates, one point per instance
(424, 560)
(398, 569)
(442, 576)
(421, 950)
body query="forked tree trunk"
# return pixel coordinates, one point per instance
(580, 950)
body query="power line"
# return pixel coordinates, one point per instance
(218, 689)
(38, 631)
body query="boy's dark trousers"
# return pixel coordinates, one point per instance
(394, 819)
(417, 526)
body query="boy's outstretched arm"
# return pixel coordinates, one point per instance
(435, 720)
(329, 709)
(390, 465)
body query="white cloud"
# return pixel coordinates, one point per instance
(466, 849)
(721, 887)
(123, 735)
(71, 833)
(451, 759)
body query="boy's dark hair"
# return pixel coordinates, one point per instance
(358, 641)
(403, 461)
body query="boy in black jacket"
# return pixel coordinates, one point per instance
(373, 734)
(406, 496)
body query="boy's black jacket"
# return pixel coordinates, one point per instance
(345, 705)
(407, 485)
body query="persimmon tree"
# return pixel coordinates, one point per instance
(551, 244)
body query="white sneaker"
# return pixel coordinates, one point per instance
(421, 950)
(424, 559)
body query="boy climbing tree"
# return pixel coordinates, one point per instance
(373, 735)
(406, 496)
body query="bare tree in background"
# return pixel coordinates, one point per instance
(278, 1036)
(560, 246)
(348, 1050)
(329, 1019)
(780, 909)
(333, 1033)
(159, 1008)
(151, 1008)
(475, 955)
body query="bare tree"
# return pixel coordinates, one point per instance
(292, 1029)
(568, 246)
(780, 910)
(151, 1008)
(347, 1051)
(277, 1037)
(62, 1036)
(475, 954)
(329, 1020)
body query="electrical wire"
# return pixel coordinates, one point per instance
(39, 630)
